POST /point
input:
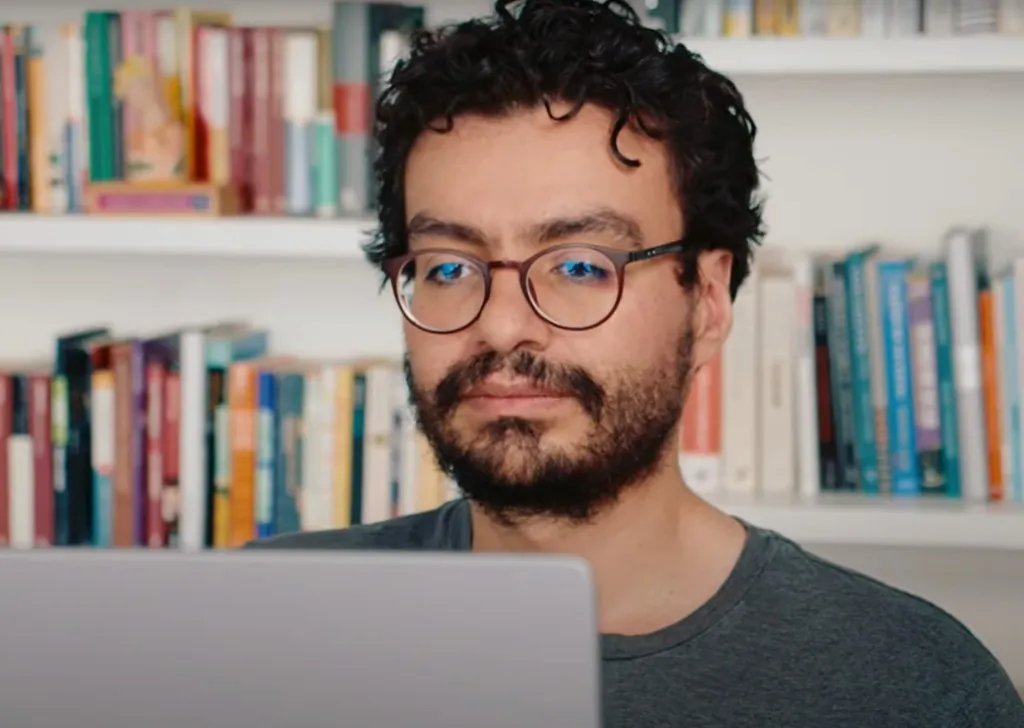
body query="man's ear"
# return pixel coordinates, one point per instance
(713, 312)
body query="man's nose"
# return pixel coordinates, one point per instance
(508, 321)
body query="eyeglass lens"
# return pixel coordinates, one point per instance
(570, 287)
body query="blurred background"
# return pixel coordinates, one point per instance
(184, 193)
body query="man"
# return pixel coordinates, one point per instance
(567, 208)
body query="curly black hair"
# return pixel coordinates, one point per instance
(579, 52)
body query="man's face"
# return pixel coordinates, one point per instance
(530, 419)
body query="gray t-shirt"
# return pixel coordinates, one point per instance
(789, 641)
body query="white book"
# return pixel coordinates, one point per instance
(376, 483)
(1001, 336)
(702, 18)
(192, 457)
(1011, 17)
(1017, 272)
(329, 443)
(964, 251)
(314, 477)
(407, 449)
(740, 374)
(805, 385)
(21, 491)
(777, 460)
(300, 68)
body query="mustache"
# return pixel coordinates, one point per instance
(569, 381)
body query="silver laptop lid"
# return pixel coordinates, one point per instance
(127, 639)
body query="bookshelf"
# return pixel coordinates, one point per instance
(862, 56)
(940, 114)
(240, 237)
(859, 521)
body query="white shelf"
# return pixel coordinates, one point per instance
(858, 520)
(879, 56)
(225, 237)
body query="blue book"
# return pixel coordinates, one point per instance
(892, 289)
(266, 452)
(860, 369)
(1011, 388)
(947, 385)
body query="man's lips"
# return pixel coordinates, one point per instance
(512, 391)
(510, 399)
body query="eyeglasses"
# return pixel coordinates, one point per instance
(572, 286)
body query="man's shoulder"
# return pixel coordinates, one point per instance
(437, 529)
(885, 632)
(846, 596)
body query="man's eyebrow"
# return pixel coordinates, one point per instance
(423, 225)
(601, 221)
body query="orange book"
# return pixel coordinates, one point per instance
(235, 511)
(701, 436)
(990, 392)
(39, 152)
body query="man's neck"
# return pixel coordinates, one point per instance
(656, 556)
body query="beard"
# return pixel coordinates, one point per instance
(512, 474)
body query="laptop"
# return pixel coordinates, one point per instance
(276, 639)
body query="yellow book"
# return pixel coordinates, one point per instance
(341, 481)
(39, 150)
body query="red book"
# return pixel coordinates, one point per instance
(40, 428)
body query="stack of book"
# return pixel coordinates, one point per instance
(867, 372)
(842, 18)
(183, 112)
(202, 437)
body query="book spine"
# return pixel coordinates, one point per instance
(156, 378)
(300, 68)
(740, 367)
(842, 390)
(21, 101)
(102, 455)
(288, 485)
(266, 453)
(945, 375)
(964, 324)
(700, 446)
(215, 94)
(860, 374)
(1009, 385)
(828, 448)
(261, 112)
(352, 103)
(77, 154)
(40, 181)
(924, 382)
(42, 462)
(240, 114)
(9, 114)
(902, 445)
(242, 409)
(359, 404)
(6, 414)
(20, 466)
(42, 465)
(123, 508)
(171, 456)
(325, 146)
(277, 150)
(990, 384)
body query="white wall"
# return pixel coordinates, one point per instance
(896, 159)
